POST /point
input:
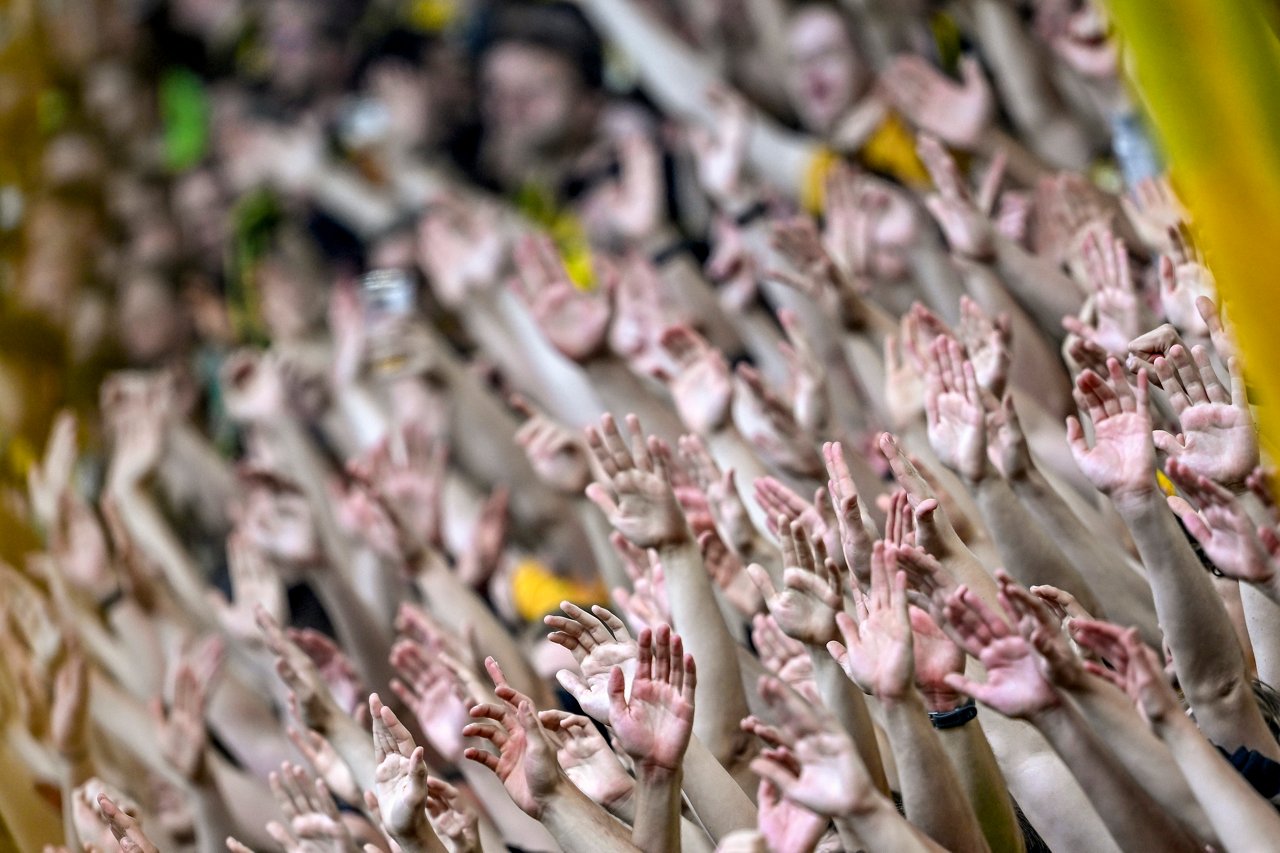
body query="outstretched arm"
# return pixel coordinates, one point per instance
(1207, 656)
(635, 494)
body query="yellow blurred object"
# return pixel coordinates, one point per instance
(537, 592)
(1208, 72)
(890, 150)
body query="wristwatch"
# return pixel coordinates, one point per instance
(956, 717)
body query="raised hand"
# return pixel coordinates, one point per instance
(809, 757)
(451, 817)
(1041, 626)
(812, 593)
(400, 781)
(877, 650)
(954, 412)
(69, 711)
(314, 825)
(701, 387)
(1135, 668)
(965, 224)
(254, 583)
(125, 827)
(936, 657)
(555, 452)
(339, 673)
(958, 113)
(1119, 313)
(721, 490)
(655, 722)
(79, 547)
(1222, 527)
(253, 386)
(574, 321)
(770, 425)
(181, 729)
(1015, 686)
(587, 759)
(525, 758)
(309, 695)
(633, 206)
(807, 382)
(1218, 438)
(635, 491)
(405, 473)
(1184, 279)
(729, 573)
(460, 248)
(49, 478)
(855, 541)
(1121, 461)
(325, 761)
(1155, 212)
(600, 643)
(987, 343)
(435, 694)
(785, 824)
(721, 150)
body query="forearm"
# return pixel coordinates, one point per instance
(932, 796)
(878, 826)
(581, 826)
(358, 632)
(1239, 816)
(213, 819)
(1262, 616)
(1035, 366)
(730, 449)
(656, 828)
(1026, 552)
(1110, 714)
(845, 700)
(980, 778)
(719, 802)
(623, 393)
(1041, 288)
(1025, 91)
(1206, 653)
(153, 536)
(461, 611)
(1135, 820)
(720, 698)
(1104, 566)
(517, 829)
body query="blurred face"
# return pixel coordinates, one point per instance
(824, 74)
(892, 234)
(1079, 34)
(149, 314)
(279, 524)
(529, 97)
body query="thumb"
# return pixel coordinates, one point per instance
(617, 689)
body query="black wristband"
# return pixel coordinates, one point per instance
(756, 211)
(670, 252)
(956, 717)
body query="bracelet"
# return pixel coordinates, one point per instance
(956, 717)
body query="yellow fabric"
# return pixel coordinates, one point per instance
(565, 230)
(890, 150)
(537, 592)
(432, 16)
(1208, 72)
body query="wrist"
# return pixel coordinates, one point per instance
(1134, 500)
(942, 699)
(904, 701)
(652, 773)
